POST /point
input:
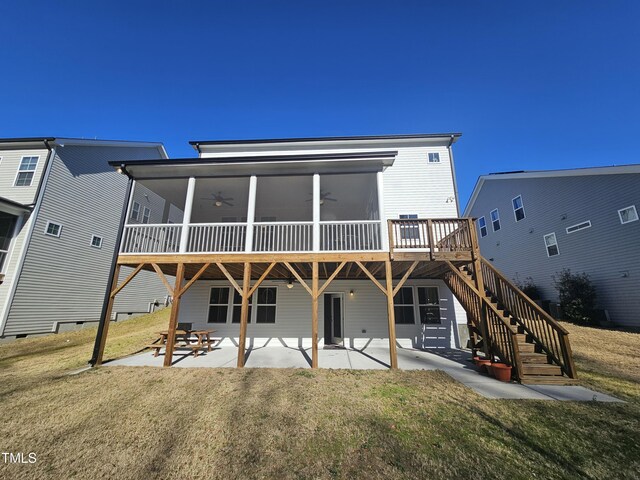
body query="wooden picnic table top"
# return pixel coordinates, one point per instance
(201, 332)
(178, 332)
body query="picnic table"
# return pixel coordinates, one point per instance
(203, 340)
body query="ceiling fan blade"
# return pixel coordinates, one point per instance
(227, 199)
(227, 203)
(330, 199)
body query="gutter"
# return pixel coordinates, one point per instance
(112, 271)
(27, 239)
(453, 174)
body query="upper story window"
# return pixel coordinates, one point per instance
(403, 306)
(145, 215)
(495, 220)
(482, 225)
(96, 241)
(135, 211)
(434, 157)
(628, 214)
(518, 208)
(579, 226)
(429, 305)
(551, 243)
(26, 170)
(410, 230)
(53, 229)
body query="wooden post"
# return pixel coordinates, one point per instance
(107, 318)
(244, 313)
(314, 315)
(477, 270)
(173, 319)
(392, 316)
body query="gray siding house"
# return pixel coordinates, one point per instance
(60, 207)
(536, 223)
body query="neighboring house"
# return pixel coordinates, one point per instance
(60, 207)
(536, 223)
(321, 242)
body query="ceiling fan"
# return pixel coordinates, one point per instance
(219, 200)
(323, 196)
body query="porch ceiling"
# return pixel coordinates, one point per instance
(351, 271)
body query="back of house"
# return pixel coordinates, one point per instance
(60, 208)
(534, 224)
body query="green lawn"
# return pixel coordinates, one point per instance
(116, 422)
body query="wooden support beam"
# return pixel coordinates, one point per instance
(261, 279)
(173, 318)
(163, 278)
(314, 315)
(244, 313)
(229, 277)
(193, 279)
(256, 257)
(331, 278)
(393, 354)
(373, 279)
(298, 277)
(405, 277)
(115, 291)
(107, 317)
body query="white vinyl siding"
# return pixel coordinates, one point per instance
(628, 214)
(551, 243)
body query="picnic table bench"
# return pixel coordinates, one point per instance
(203, 340)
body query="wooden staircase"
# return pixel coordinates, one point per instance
(509, 327)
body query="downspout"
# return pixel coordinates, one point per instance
(453, 175)
(27, 239)
(112, 271)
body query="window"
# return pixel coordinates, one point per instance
(628, 214)
(482, 224)
(96, 241)
(266, 305)
(495, 220)
(403, 306)
(53, 229)
(25, 171)
(429, 305)
(434, 157)
(518, 208)
(579, 226)
(218, 305)
(237, 307)
(135, 211)
(552, 245)
(7, 224)
(409, 230)
(145, 215)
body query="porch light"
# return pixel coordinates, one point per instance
(351, 293)
(218, 203)
(290, 283)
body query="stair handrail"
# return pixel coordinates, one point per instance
(566, 363)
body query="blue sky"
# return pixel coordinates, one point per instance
(531, 85)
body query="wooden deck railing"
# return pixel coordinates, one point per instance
(442, 235)
(547, 332)
(499, 336)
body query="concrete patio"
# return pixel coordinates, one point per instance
(456, 363)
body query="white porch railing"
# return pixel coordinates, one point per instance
(361, 235)
(283, 237)
(216, 237)
(151, 238)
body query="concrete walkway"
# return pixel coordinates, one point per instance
(455, 363)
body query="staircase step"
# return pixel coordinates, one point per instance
(540, 369)
(533, 358)
(546, 380)
(526, 347)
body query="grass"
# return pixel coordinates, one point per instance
(117, 422)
